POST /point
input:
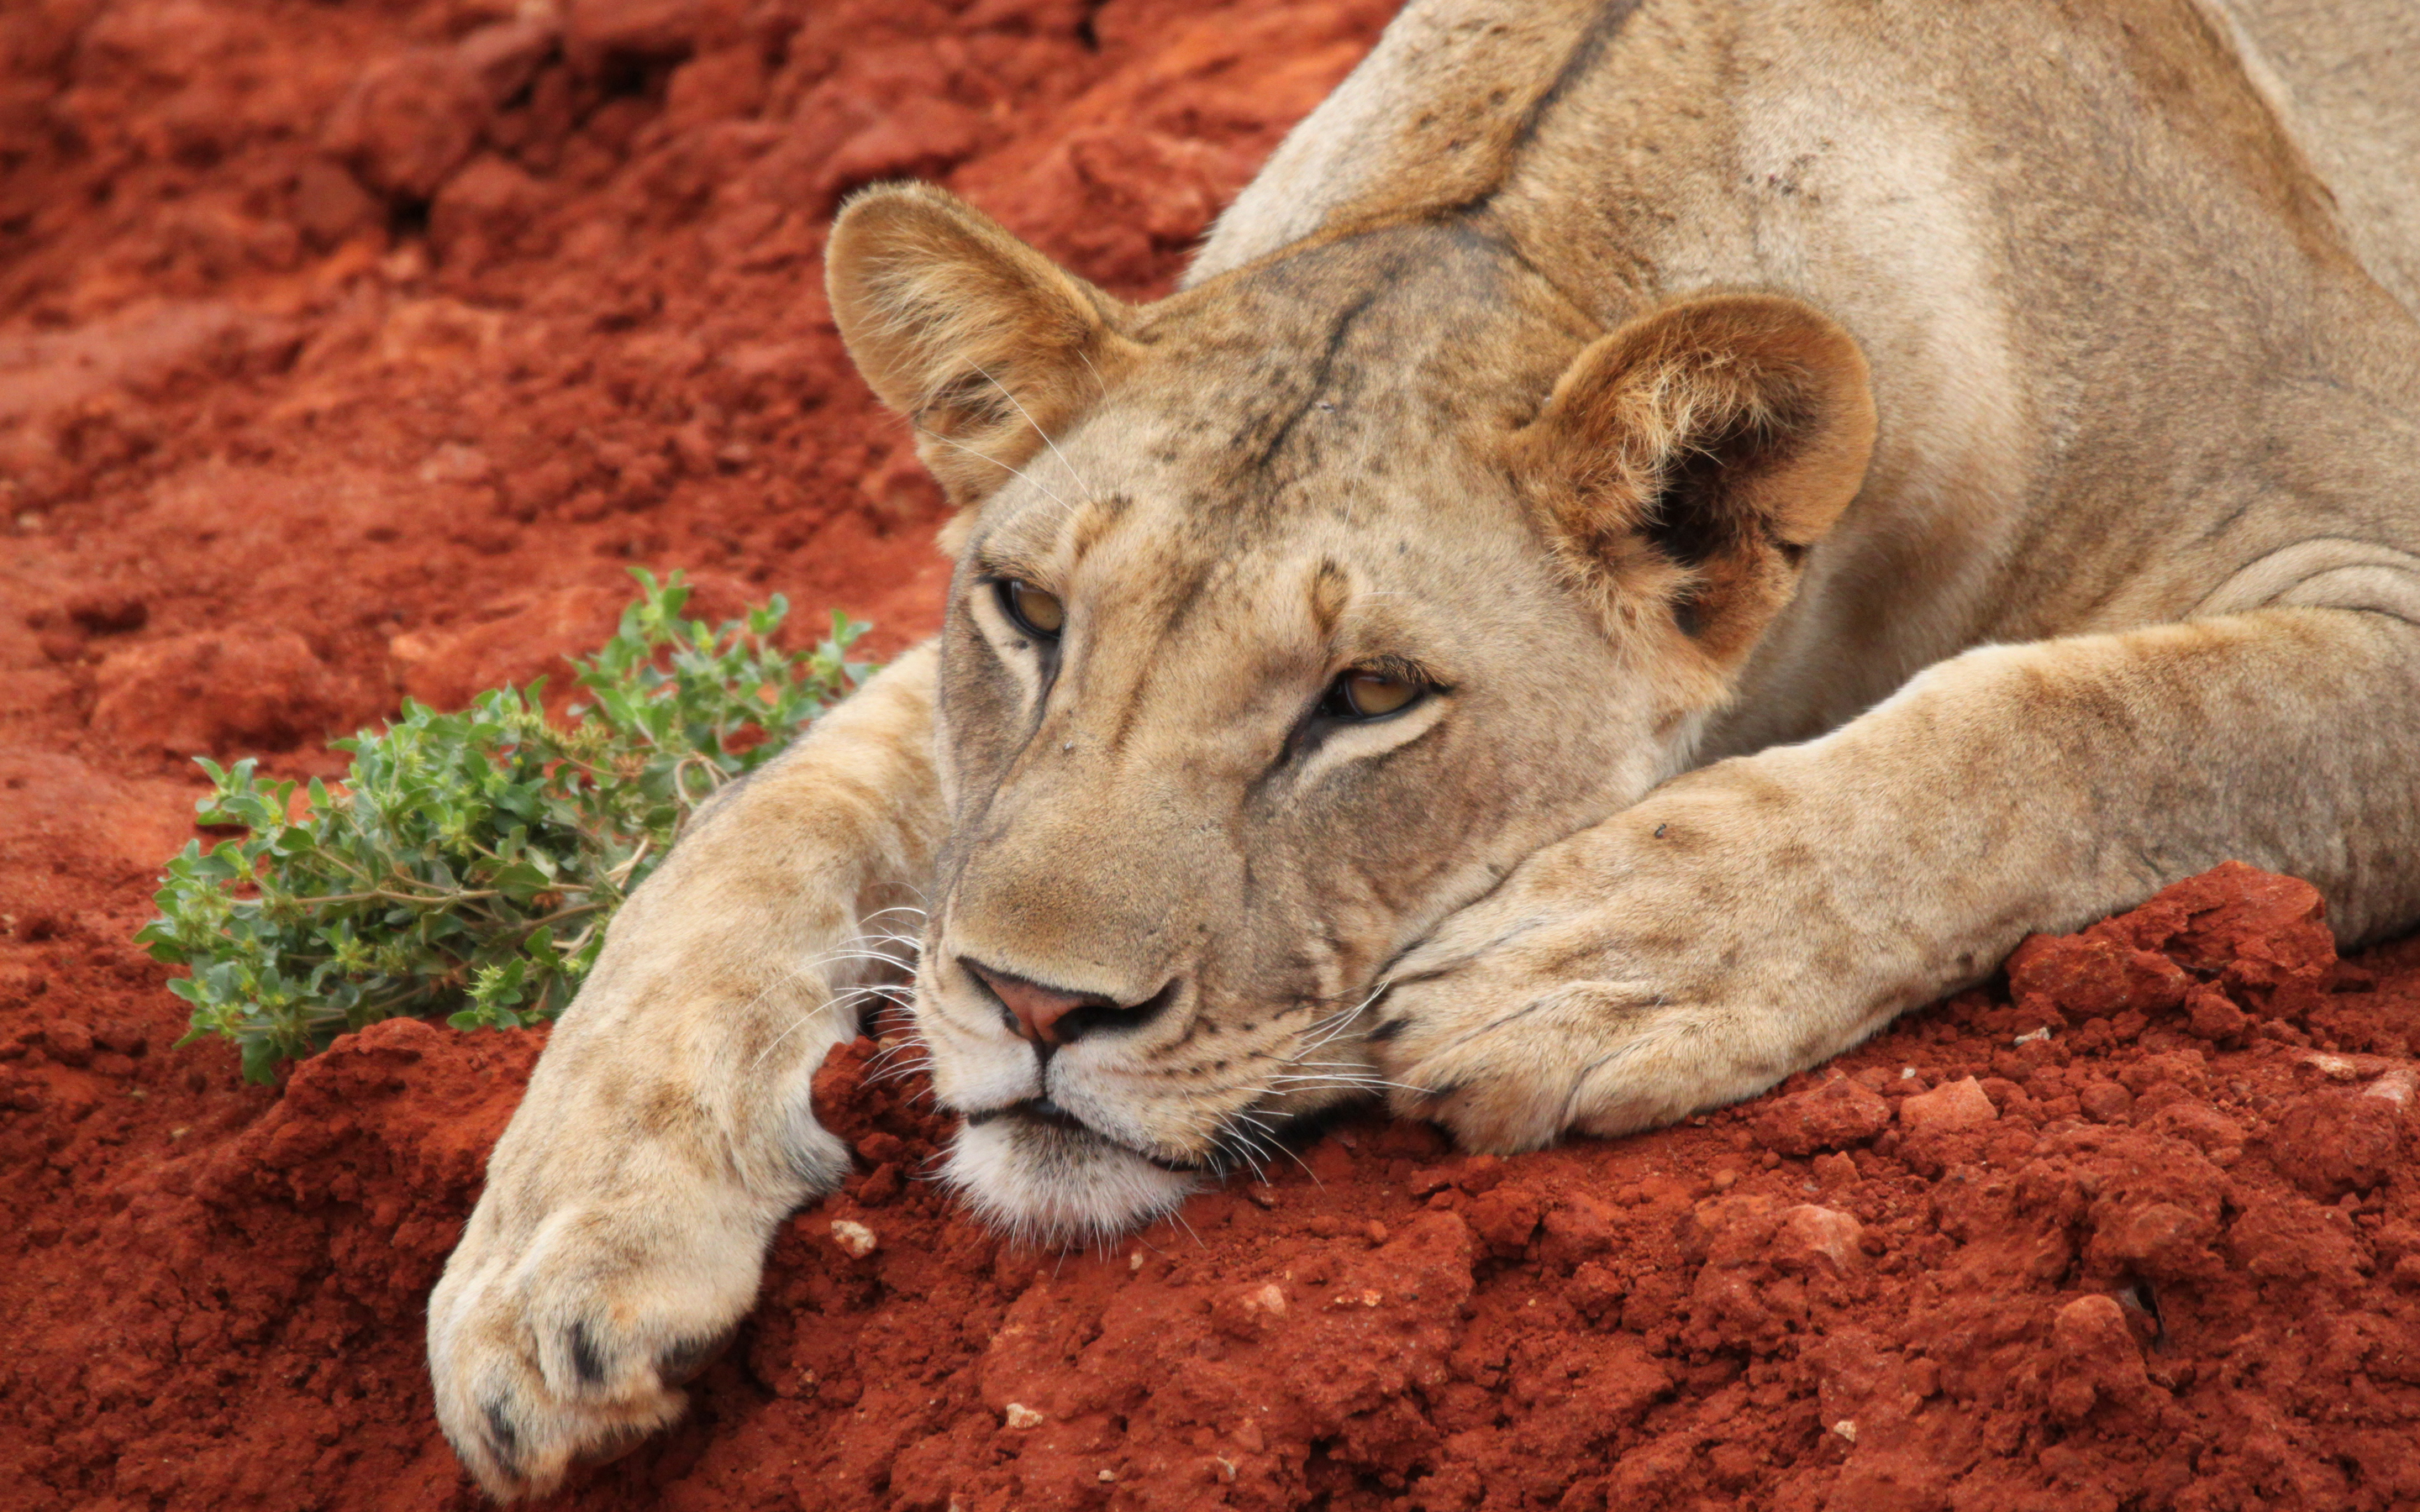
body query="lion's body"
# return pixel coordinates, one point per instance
(1532, 380)
(2337, 79)
(2093, 280)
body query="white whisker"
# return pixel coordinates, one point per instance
(985, 456)
(1099, 382)
(1078, 477)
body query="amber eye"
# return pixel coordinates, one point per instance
(1037, 613)
(1367, 695)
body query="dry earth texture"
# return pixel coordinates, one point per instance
(352, 351)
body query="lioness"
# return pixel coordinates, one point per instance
(1655, 537)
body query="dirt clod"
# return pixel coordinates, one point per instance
(352, 352)
(1838, 1113)
(1960, 1102)
(2331, 1143)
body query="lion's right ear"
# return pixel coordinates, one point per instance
(982, 341)
(1689, 460)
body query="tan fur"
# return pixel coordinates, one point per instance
(979, 340)
(1864, 482)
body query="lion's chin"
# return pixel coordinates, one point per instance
(1045, 1184)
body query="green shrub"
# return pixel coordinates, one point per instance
(470, 860)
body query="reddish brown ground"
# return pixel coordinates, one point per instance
(353, 350)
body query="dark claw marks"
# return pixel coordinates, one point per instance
(584, 1358)
(504, 1439)
(525, 1461)
(676, 1366)
(682, 1362)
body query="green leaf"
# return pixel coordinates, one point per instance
(468, 862)
(260, 1055)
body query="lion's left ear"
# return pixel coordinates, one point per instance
(982, 341)
(1686, 462)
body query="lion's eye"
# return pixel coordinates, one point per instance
(1037, 613)
(1367, 695)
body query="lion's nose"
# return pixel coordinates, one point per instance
(1045, 1015)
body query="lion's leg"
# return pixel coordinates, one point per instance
(1751, 919)
(667, 1129)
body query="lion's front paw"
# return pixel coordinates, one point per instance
(1537, 1011)
(564, 1342)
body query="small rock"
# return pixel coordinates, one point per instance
(2157, 1239)
(2212, 1014)
(2396, 1087)
(1019, 1415)
(1479, 1174)
(2092, 976)
(1809, 1238)
(1592, 1289)
(1506, 1216)
(2218, 1136)
(855, 1240)
(2263, 935)
(2105, 1102)
(1246, 1315)
(1960, 1102)
(1577, 1227)
(2333, 1143)
(2097, 1359)
(1840, 1112)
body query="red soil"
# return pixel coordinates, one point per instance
(353, 350)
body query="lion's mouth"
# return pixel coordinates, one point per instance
(1041, 1110)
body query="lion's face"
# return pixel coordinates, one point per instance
(1217, 745)
(1287, 620)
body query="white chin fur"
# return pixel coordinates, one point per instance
(1047, 1185)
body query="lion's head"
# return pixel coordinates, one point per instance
(1291, 612)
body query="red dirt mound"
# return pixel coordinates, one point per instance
(352, 351)
(2080, 1245)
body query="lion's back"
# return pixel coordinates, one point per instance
(2343, 78)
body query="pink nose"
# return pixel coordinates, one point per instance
(1037, 1008)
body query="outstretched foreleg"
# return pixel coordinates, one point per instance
(667, 1129)
(1756, 916)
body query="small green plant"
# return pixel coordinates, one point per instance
(470, 860)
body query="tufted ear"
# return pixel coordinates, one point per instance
(1687, 461)
(982, 341)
